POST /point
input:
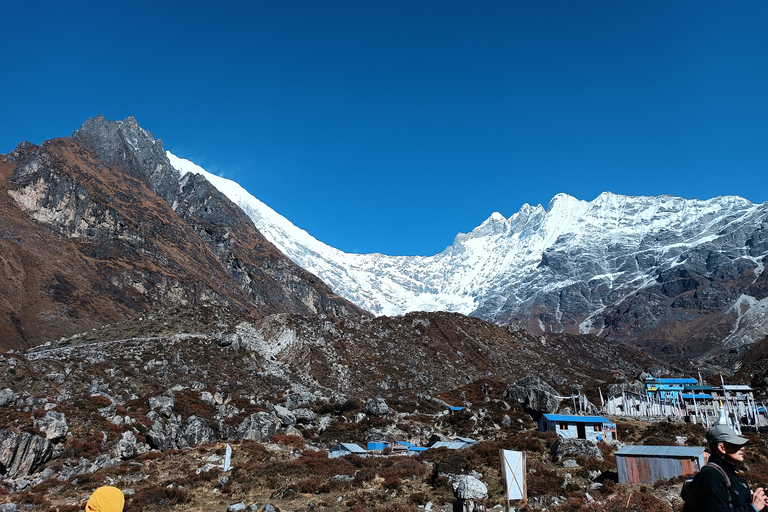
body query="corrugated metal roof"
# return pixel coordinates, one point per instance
(697, 395)
(662, 451)
(351, 447)
(576, 419)
(455, 445)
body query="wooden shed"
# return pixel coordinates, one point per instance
(647, 464)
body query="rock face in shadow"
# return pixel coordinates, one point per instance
(100, 226)
(21, 454)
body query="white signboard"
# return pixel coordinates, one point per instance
(513, 470)
(228, 458)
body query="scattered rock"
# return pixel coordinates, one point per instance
(575, 447)
(7, 397)
(54, 424)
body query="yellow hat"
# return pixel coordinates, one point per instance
(106, 499)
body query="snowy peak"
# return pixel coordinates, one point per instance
(629, 267)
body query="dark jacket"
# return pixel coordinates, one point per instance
(710, 491)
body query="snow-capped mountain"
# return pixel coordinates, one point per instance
(666, 269)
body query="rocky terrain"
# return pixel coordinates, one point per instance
(146, 324)
(149, 404)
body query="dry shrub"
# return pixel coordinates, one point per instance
(284, 440)
(461, 422)
(398, 507)
(445, 460)
(541, 480)
(91, 404)
(392, 483)
(347, 432)
(72, 508)
(418, 498)
(151, 455)
(31, 498)
(403, 468)
(159, 496)
(365, 474)
(87, 447)
(187, 403)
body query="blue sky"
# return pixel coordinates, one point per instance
(392, 126)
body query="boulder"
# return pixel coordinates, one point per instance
(126, 447)
(258, 426)
(160, 439)
(229, 340)
(376, 407)
(286, 417)
(164, 405)
(304, 416)
(467, 487)
(194, 432)
(299, 399)
(54, 424)
(534, 394)
(575, 447)
(21, 454)
(7, 397)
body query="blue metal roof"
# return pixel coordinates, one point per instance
(417, 449)
(697, 395)
(575, 419)
(662, 451)
(454, 408)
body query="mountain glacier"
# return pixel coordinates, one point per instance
(619, 266)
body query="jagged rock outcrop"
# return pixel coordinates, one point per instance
(535, 395)
(22, 454)
(257, 427)
(110, 228)
(194, 431)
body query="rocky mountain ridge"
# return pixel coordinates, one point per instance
(681, 278)
(99, 226)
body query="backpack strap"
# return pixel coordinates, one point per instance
(727, 481)
(722, 472)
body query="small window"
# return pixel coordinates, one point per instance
(563, 426)
(597, 428)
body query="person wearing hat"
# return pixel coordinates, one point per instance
(719, 487)
(106, 499)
